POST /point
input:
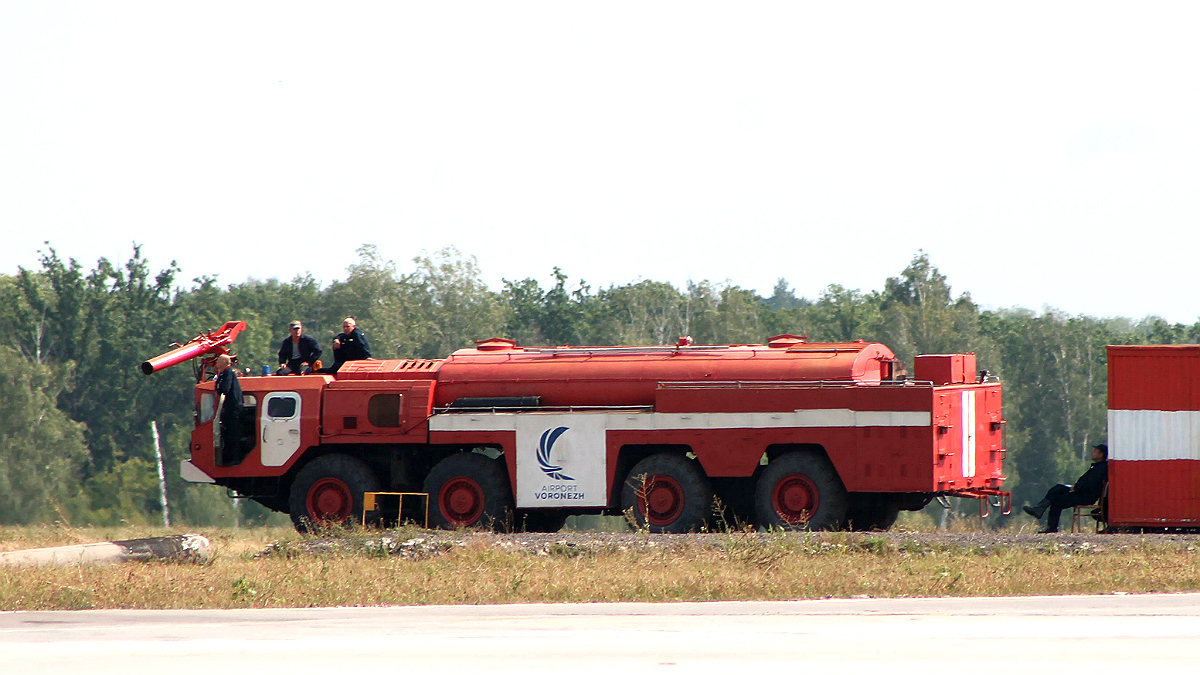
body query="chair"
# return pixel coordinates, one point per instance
(1099, 511)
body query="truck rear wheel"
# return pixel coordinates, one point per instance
(329, 491)
(469, 489)
(667, 493)
(800, 491)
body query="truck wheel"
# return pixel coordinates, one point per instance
(867, 512)
(468, 489)
(800, 491)
(541, 520)
(667, 493)
(329, 491)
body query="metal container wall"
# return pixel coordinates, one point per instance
(1154, 435)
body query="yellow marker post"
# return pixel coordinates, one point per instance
(369, 500)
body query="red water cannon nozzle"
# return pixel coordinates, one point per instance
(209, 344)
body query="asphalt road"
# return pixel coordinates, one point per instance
(1091, 634)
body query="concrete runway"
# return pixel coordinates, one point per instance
(1091, 634)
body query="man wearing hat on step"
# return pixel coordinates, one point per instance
(298, 351)
(1086, 490)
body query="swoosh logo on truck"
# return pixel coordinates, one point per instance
(543, 454)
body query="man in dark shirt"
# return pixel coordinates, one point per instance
(229, 397)
(1086, 490)
(298, 351)
(349, 345)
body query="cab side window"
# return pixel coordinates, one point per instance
(281, 408)
(206, 408)
(383, 410)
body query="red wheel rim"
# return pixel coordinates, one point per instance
(795, 498)
(461, 501)
(330, 501)
(660, 500)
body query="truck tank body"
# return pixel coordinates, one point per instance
(628, 376)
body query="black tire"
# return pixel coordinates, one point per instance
(800, 491)
(541, 520)
(328, 491)
(469, 490)
(667, 493)
(871, 512)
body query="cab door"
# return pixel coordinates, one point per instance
(279, 427)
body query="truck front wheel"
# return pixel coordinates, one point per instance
(667, 493)
(469, 489)
(800, 490)
(329, 491)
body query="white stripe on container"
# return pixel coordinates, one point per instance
(1153, 434)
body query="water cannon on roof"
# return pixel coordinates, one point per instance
(208, 345)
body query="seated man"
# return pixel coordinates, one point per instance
(349, 345)
(298, 351)
(1085, 491)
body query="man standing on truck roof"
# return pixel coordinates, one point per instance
(1086, 490)
(349, 345)
(298, 351)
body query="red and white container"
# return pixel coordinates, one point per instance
(1154, 435)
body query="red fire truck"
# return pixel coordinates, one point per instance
(788, 434)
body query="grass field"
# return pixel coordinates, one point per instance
(275, 567)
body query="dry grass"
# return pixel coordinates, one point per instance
(463, 568)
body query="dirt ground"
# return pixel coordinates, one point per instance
(420, 543)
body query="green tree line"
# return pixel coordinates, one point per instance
(76, 441)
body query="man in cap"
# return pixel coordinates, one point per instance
(298, 351)
(1086, 490)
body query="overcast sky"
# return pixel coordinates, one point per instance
(1042, 153)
